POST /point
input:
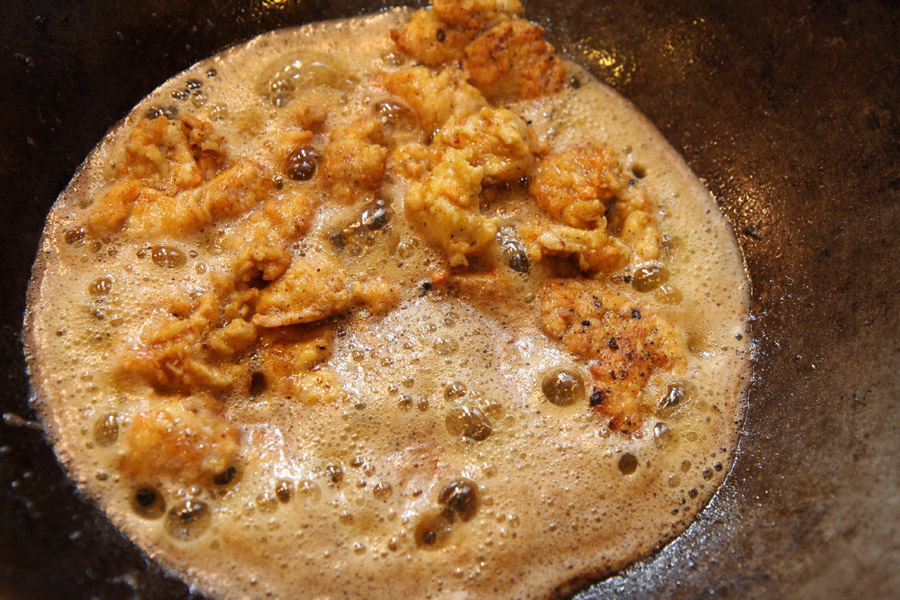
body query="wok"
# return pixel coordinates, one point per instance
(791, 114)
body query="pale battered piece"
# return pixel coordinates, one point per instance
(383, 307)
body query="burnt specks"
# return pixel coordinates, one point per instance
(598, 397)
(613, 344)
(635, 313)
(441, 35)
(586, 323)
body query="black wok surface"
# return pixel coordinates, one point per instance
(789, 111)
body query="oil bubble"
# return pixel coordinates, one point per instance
(188, 520)
(563, 386)
(461, 498)
(470, 422)
(284, 490)
(628, 463)
(106, 429)
(101, 286)
(167, 257)
(148, 503)
(433, 530)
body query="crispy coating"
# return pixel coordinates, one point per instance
(151, 213)
(377, 294)
(312, 289)
(577, 185)
(431, 41)
(475, 13)
(232, 192)
(624, 344)
(433, 96)
(512, 60)
(446, 208)
(289, 360)
(493, 138)
(642, 234)
(172, 154)
(440, 35)
(186, 439)
(352, 167)
(594, 250)
(580, 188)
(176, 356)
(165, 163)
(291, 212)
(259, 254)
(409, 161)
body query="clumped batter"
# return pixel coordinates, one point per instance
(404, 305)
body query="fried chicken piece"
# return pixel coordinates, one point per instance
(172, 154)
(187, 439)
(641, 233)
(431, 41)
(232, 192)
(576, 185)
(312, 289)
(511, 60)
(594, 249)
(626, 346)
(493, 138)
(176, 356)
(440, 35)
(433, 96)
(475, 13)
(289, 362)
(376, 294)
(446, 208)
(149, 212)
(352, 166)
(174, 180)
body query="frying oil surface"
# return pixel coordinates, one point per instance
(435, 440)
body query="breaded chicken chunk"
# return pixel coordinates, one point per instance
(475, 13)
(446, 207)
(431, 41)
(624, 345)
(512, 60)
(433, 96)
(576, 185)
(187, 439)
(312, 289)
(172, 154)
(493, 138)
(440, 35)
(593, 249)
(352, 167)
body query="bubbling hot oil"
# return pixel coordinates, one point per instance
(464, 449)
